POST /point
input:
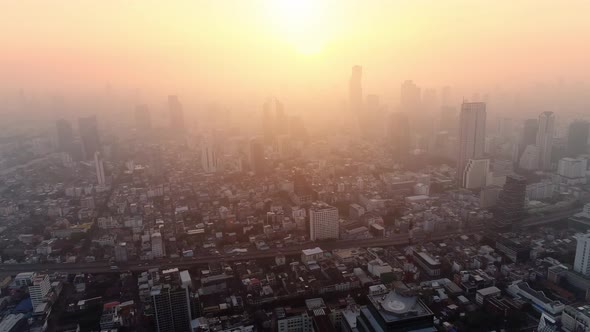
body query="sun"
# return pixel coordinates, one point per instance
(301, 23)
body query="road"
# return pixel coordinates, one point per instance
(185, 262)
(537, 221)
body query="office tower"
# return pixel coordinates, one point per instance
(171, 302)
(399, 134)
(121, 252)
(281, 126)
(355, 90)
(475, 174)
(582, 260)
(208, 157)
(65, 135)
(88, 128)
(510, 207)
(38, 289)
(158, 249)
(274, 121)
(572, 168)
(257, 161)
(323, 222)
(143, 119)
(529, 160)
(545, 139)
(448, 119)
(472, 133)
(176, 114)
(529, 132)
(577, 138)
(99, 165)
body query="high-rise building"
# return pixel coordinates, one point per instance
(572, 168)
(274, 121)
(257, 160)
(88, 128)
(399, 134)
(39, 288)
(99, 165)
(171, 302)
(475, 174)
(472, 132)
(323, 222)
(545, 139)
(355, 90)
(121, 252)
(577, 138)
(158, 249)
(511, 201)
(529, 132)
(176, 114)
(65, 135)
(209, 157)
(529, 160)
(582, 260)
(143, 119)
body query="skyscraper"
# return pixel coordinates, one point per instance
(410, 103)
(171, 302)
(176, 114)
(582, 260)
(65, 135)
(88, 128)
(545, 139)
(38, 289)
(274, 121)
(208, 156)
(510, 207)
(257, 161)
(99, 165)
(577, 138)
(529, 132)
(355, 90)
(475, 174)
(323, 222)
(472, 131)
(399, 134)
(143, 119)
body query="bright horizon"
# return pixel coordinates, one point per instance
(247, 50)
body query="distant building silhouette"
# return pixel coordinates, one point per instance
(529, 132)
(209, 157)
(88, 128)
(510, 208)
(176, 114)
(65, 135)
(399, 134)
(472, 132)
(410, 103)
(257, 160)
(577, 138)
(355, 90)
(545, 139)
(99, 165)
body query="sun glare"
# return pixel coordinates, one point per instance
(301, 23)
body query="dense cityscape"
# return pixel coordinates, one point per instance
(440, 209)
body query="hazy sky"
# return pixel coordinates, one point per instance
(249, 49)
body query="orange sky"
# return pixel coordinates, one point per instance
(223, 49)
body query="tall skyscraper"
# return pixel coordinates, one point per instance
(475, 174)
(99, 165)
(582, 260)
(257, 161)
(209, 156)
(472, 133)
(143, 119)
(324, 222)
(529, 132)
(510, 207)
(88, 128)
(355, 90)
(171, 302)
(399, 134)
(65, 135)
(545, 139)
(274, 121)
(577, 138)
(176, 114)
(410, 103)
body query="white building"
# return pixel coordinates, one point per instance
(158, 250)
(475, 174)
(572, 167)
(472, 134)
(540, 190)
(323, 222)
(582, 260)
(39, 289)
(545, 139)
(530, 158)
(99, 164)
